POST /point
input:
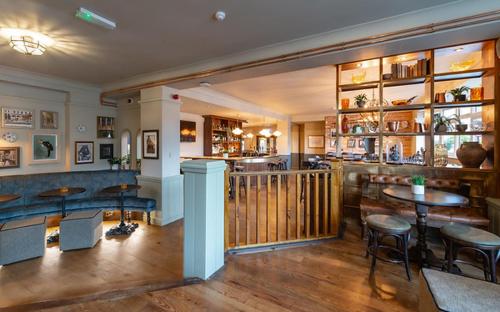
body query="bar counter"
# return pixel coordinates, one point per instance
(254, 163)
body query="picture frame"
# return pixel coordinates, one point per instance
(18, 118)
(44, 147)
(188, 131)
(351, 143)
(333, 143)
(84, 152)
(49, 120)
(10, 157)
(316, 141)
(150, 144)
(361, 143)
(106, 151)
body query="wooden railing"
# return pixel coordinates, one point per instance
(275, 207)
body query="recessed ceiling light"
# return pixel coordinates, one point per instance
(220, 16)
(27, 42)
(205, 84)
(459, 49)
(94, 18)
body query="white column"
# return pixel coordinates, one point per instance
(203, 217)
(160, 178)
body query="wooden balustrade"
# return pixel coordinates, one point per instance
(276, 207)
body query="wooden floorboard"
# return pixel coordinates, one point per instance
(330, 276)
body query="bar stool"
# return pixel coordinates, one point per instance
(458, 237)
(381, 226)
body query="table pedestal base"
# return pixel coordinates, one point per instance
(53, 237)
(426, 259)
(122, 229)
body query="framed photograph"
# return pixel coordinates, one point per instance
(316, 141)
(361, 143)
(105, 151)
(351, 143)
(150, 144)
(188, 131)
(84, 152)
(17, 118)
(49, 120)
(9, 157)
(333, 142)
(44, 147)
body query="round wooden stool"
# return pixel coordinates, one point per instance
(458, 237)
(381, 226)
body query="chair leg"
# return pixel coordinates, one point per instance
(493, 266)
(368, 244)
(406, 239)
(364, 229)
(374, 252)
(148, 214)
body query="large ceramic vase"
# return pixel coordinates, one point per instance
(471, 154)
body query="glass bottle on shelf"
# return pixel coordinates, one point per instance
(440, 155)
(394, 151)
(345, 124)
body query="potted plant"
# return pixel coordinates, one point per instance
(418, 184)
(441, 123)
(459, 93)
(115, 163)
(458, 126)
(126, 162)
(361, 100)
(225, 153)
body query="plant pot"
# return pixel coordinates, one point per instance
(461, 128)
(460, 98)
(115, 167)
(361, 104)
(441, 128)
(418, 189)
(393, 126)
(225, 155)
(471, 154)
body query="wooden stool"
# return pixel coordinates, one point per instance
(459, 237)
(380, 226)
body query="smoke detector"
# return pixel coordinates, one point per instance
(220, 16)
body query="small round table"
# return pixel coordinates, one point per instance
(9, 197)
(431, 198)
(123, 228)
(61, 193)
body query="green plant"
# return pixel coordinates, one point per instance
(115, 161)
(361, 98)
(418, 180)
(459, 91)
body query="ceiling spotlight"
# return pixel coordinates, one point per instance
(205, 84)
(26, 41)
(94, 18)
(220, 16)
(459, 49)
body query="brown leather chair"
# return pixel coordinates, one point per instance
(374, 202)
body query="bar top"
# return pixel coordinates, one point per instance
(251, 159)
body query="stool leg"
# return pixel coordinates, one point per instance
(493, 266)
(449, 253)
(406, 238)
(374, 252)
(368, 243)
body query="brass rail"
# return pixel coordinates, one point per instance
(298, 205)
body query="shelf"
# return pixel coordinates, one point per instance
(358, 110)
(463, 104)
(405, 133)
(359, 86)
(465, 133)
(466, 74)
(359, 134)
(405, 107)
(405, 81)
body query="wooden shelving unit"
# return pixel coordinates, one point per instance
(218, 136)
(478, 67)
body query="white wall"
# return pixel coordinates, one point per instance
(77, 104)
(193, 148)
(128, 118)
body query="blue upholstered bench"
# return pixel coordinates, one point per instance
(30, 204)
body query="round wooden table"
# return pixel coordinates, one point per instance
(123, 228)
(61, 193)
(9, 197)
(431, 198)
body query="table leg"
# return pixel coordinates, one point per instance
(63, 207)
(122, 210)
(122, 228)
(54, 236)
(421, 254)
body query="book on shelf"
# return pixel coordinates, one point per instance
(402, 71)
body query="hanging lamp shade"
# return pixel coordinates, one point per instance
(277, 133)
(237, 131)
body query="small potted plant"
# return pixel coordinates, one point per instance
(418, 184)
(459, 93)
(225, 153)
(441, 123)
(115, 163)
(360, 100)
(458, 126)
(126, 162)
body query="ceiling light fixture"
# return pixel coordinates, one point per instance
(237, 131)
(250, 135)
(459, 49)
(265, 132)
(220, 16)
(94, 18)
(277, 133)
(26, 41)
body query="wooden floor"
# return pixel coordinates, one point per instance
(152, 255)
(330, 276)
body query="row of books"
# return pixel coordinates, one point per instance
(421, 68)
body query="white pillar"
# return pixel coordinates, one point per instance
(160, 178)
(284, 142)
(203, 217)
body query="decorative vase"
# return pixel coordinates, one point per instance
(393, 126)
(345, 124)
(460, 98)
(225, 155)
(471, 154)
(418, 189)
(115, 167)
(461, 128)
(345, 103)
(440, 155)
(476, 94)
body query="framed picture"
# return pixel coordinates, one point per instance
(49, 120)
(351, 143)
(316, 141)
(17, 118)
(84, 152)
(333, 142)
(9, 157)
(188, 131)
(361, 143)
(150, 144)
(44, 147)
(105, 151)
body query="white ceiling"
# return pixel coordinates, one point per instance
(309, 91)
(156, 34)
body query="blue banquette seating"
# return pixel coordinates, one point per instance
(30, 185)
